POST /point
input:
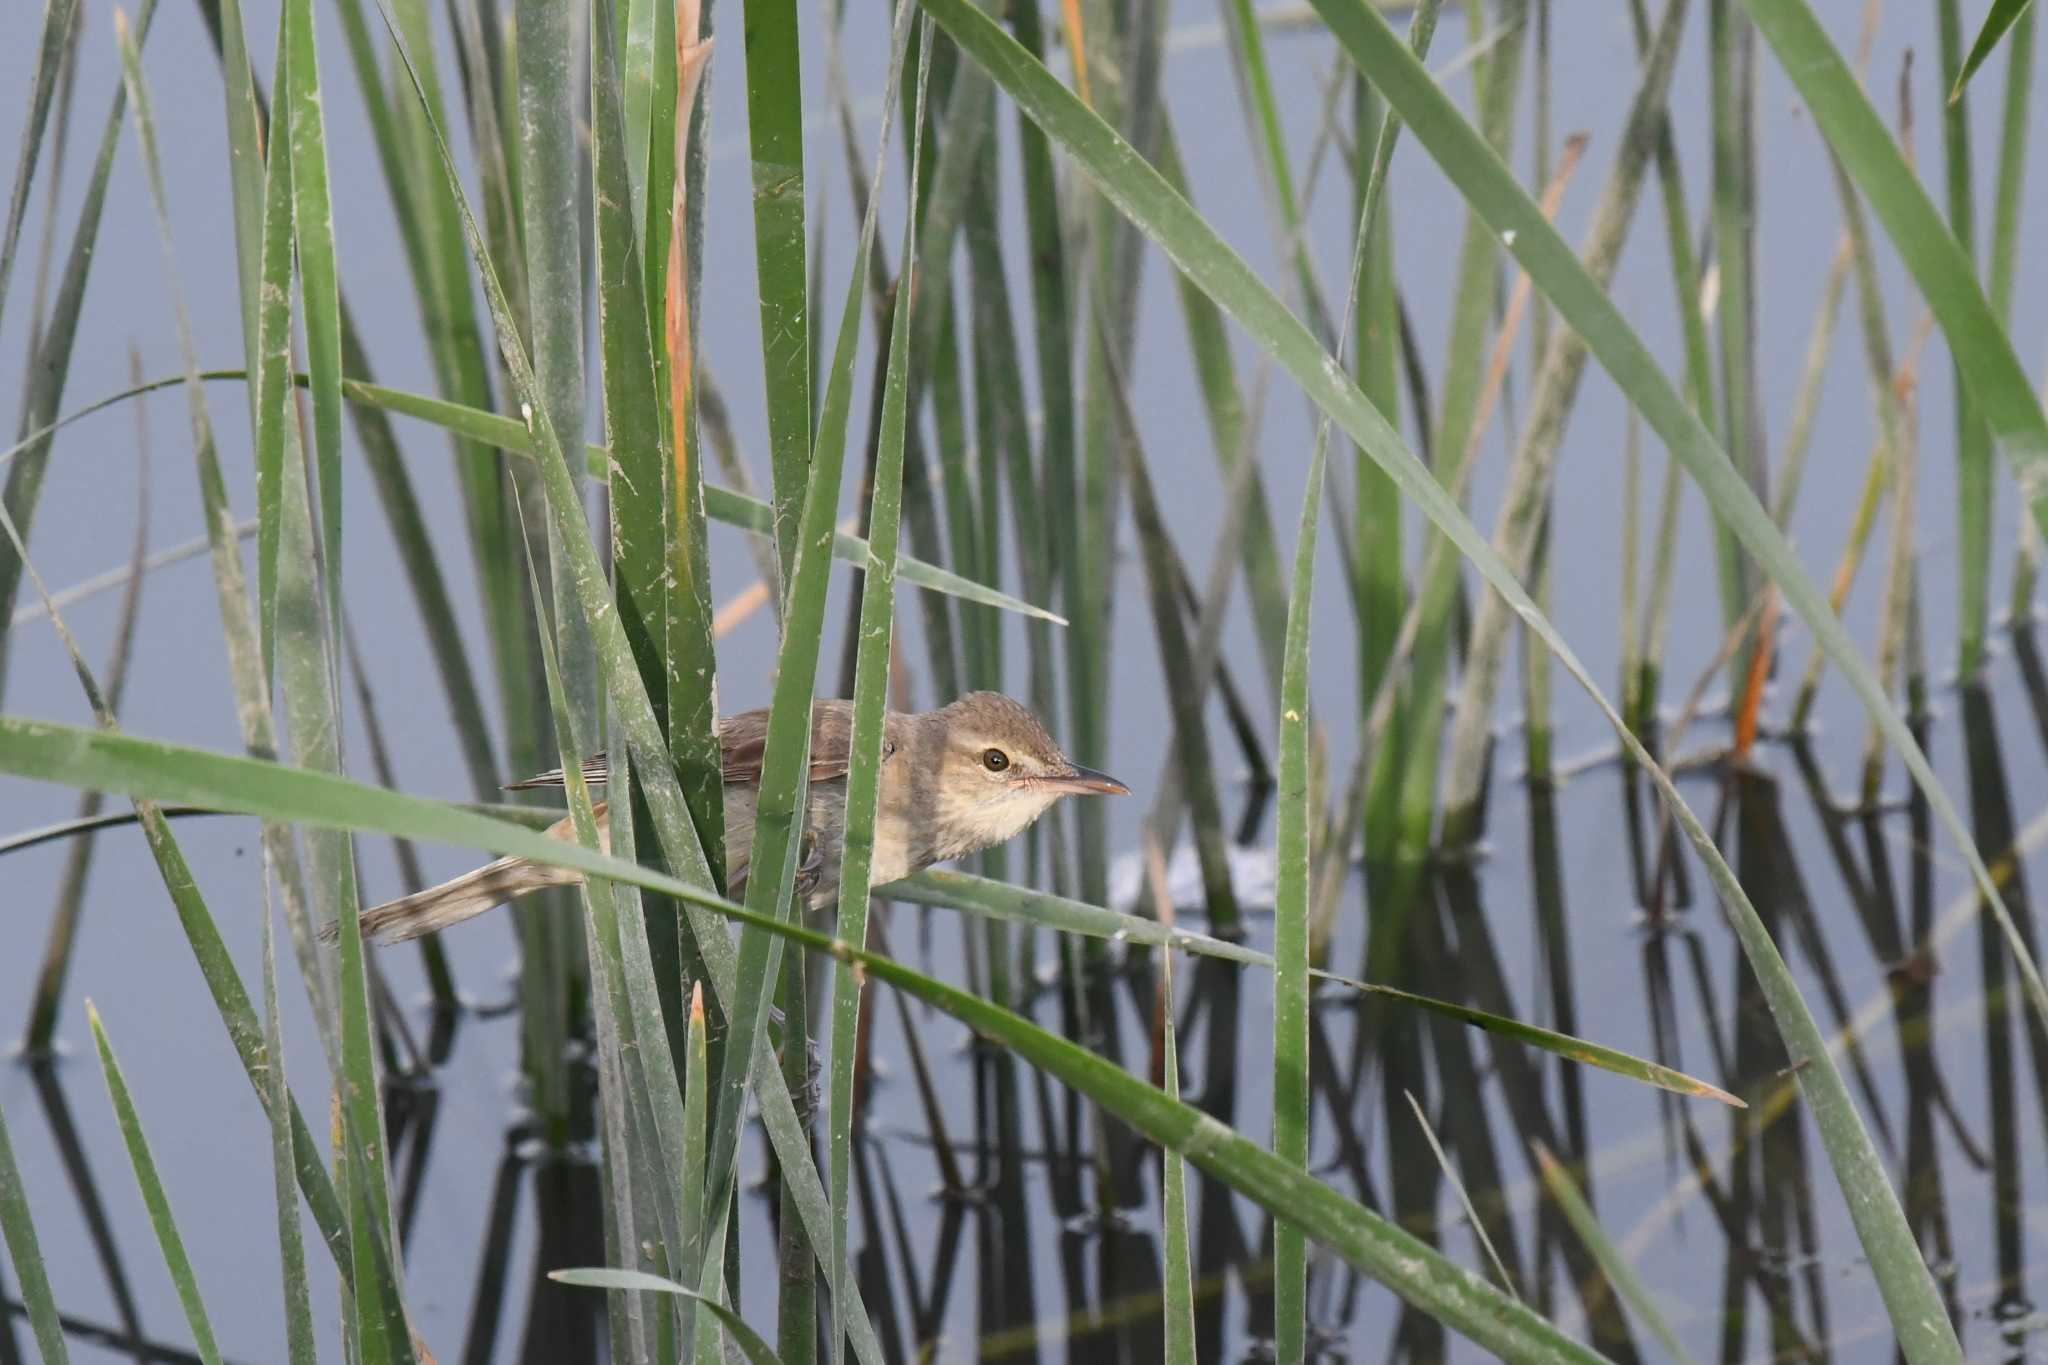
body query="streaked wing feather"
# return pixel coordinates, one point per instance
(743, 740)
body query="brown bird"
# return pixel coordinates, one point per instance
(954, 781)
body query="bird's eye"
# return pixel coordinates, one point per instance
(995, 760)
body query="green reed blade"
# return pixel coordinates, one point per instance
(1457, 1185)
(1685, 271)
(656, 182)
(751, 1345)
(635, 64)
(277, 1099)
(775, 135)
(319, 280)
(641, 487)
(176, 1261)
(2002, 17)
(1973, 437)
(59, 17)
(1558, 1181)
(251, 687)
(1732, 97)
(2005, 228)
(980, 896)
(1179, 1306)
(19, 1230)
(692, 682)
(245, 120)
(1291, 901)
(2012, 164)
(306, 602)
(876, 633)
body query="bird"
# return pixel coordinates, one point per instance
(954, 780)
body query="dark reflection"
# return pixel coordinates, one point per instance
(1992, 822)
(92, 1210)
(1472, 973)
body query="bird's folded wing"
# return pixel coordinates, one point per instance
(597, 770)
(743, 741)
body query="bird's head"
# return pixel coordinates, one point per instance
(990, 769)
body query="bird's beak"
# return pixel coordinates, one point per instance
(1086, 782)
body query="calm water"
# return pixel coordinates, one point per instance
(986, 1223)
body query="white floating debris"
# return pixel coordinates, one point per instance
(1254, 873)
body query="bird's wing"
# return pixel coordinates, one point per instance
(743, 741)
(597, 770)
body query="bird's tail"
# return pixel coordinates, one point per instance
(467, 896)
(450, 903)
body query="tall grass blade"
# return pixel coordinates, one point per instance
(1558, 1181)
(176, 1261)
(1443, 1160)
(59, 17)
(2001, 18)
(1139, 192)
(752, 1347)
(319, 282)
(19, 1229)
(2012, 168)
(1973, 437)
(1291, 902)
(642, 502)
(1732, 99)
(692, 682)
(431, 233)
(775, 137)
(307, 597)
(298, 1314)
(1177, 1301)
(546, 144)
(876, 632)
